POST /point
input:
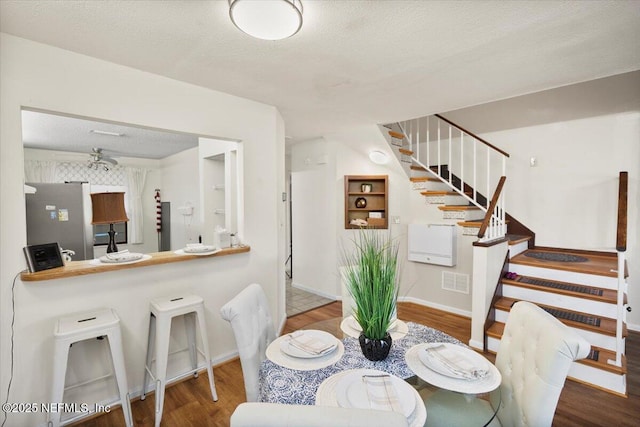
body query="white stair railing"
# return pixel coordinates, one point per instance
(462, 160)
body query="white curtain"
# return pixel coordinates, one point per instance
(135, 181)
(39, 171)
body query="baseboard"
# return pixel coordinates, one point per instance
(633, 327)
(316, 292)
(459, 312)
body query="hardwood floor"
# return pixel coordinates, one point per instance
(189, 403)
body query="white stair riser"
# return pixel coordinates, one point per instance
(470, 231)
(451, 199)
(561, 301)
(429, 185)
(518, 248)
(599, 377)
(587, 374)
(565, 276)
(467, 215)
(594, 338)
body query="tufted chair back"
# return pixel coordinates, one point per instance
(248, 313)
(534, 357)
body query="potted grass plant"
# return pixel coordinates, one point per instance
(371, 277)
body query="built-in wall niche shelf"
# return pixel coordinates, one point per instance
(219, 211)
(366, 199)
(218, 187)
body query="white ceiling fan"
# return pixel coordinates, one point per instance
(99, 159)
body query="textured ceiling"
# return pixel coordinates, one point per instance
(353, 62)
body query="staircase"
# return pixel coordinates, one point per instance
(580, 291)
(583, 289)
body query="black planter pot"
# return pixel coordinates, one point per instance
(375, 350)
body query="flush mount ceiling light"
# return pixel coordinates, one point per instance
(267, 19)
(378, 157)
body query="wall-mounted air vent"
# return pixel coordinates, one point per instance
(456, 282)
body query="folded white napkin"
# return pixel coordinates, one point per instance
(309, 343)
(197, 248)
(121, 256)
(455, 362)
(382, 393)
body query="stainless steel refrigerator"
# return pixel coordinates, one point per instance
(61, 213)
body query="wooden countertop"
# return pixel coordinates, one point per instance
(81, 268)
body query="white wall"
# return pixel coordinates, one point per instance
(181, 186)
(318, 218)
(40, 76)
(582, 136)
(313, 216)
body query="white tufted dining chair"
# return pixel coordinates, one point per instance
(248, 313)
(256, 414)
(534, 357)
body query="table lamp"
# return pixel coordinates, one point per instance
(108, 208)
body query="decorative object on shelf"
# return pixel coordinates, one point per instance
(371, 277)
(108, 208)
(361, 202)
(365, 187)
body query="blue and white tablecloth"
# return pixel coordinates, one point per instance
(283, 385)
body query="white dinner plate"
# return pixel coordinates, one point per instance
(484, 385)
(208, 252)
(97, 261)
(356, 326)
(293, 351)
(198, 249)
(326, 395)
(351, 392)
(472, 359)
(398, 330)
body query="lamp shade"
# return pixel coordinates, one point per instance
(267, 19)
(108, 208)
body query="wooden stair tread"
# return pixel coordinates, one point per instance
(597, 264)
(439, 193)
(475, 224)
(602, 363)
(607, 325)
(423, 179)
(405, 151)
(607, 295)
(458, 208)
(496, 330)
(514, 239)
(419, 168)
(396, 135)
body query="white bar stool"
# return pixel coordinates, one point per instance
(163, 310)
(84, 326)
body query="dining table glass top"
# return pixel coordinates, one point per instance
(320, 379)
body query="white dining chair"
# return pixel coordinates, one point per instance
(534, 358)
(257, 414)
(252, 324)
